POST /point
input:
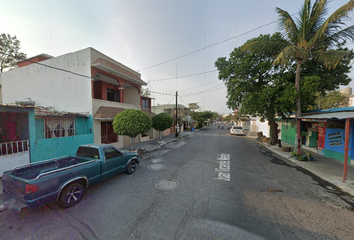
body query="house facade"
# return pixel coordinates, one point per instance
(170, 109)
(76, 96)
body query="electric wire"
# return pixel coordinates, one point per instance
(189, 75)
(212, 45)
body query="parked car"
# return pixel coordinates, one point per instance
(64, 179)
(236, 130)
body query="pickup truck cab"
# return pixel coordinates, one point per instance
(64, 179)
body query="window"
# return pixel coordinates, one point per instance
(59, 127)
(88, 152)
(146, 104)
(111, 153)
(112, 95)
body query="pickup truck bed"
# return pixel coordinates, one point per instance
(33, 172)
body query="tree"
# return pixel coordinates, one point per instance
(239, 116)
(182, 114)
(215, 116)
(311, 36)
(145, 92)
(193, 107)
(254, 86)
(227, 118)
(161, 122)
(131, 122)
(9, 51)
(332, 99)
(202, 117)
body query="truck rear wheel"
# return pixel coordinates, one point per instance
(71, 195)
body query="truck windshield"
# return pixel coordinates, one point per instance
(88, 152)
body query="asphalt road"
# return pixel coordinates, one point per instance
(209, 185)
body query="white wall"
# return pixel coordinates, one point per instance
(258, 126)
(51, 87)
(351, 101)
(8, 162)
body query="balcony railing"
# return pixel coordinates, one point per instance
(14, 147)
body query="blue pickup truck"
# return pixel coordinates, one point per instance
(64, 179)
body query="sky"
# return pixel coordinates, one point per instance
(173, 43)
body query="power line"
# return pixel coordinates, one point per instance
(198, 86)
(206, 90)
(183, 101)
(189, 75)
(212, 45)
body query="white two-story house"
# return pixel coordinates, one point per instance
(76, 97)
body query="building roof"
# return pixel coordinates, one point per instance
(118, 71)
(50, 111)
(343, 109)
(335, 115)
(16, 105)
(43, 55)
(108, 113)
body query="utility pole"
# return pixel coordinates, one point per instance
(176, 116)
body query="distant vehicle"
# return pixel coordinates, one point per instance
(64, 179)
(230, 124)
(236, 130)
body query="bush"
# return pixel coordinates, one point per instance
(161, 122)
(131, 122)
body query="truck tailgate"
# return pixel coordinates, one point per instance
(13, 185)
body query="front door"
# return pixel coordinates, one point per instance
(107, 134)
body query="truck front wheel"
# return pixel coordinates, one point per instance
(71, 195)
(131, 167)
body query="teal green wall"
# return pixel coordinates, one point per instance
(39, 128)
(83, 125)
(47, 148)
(336, 155)
(288, 133)
(55, 147)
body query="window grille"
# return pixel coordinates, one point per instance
(59, 127)
(8, 148)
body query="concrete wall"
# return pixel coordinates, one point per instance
(47, 148)
(258, 126)
(0, 94)
(55, 147)
(52, 87)
(132, 96)
(10, 161)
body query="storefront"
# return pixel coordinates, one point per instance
(327, 133)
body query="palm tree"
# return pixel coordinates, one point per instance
(311, 36)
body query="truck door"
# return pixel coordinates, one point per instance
(114, 162)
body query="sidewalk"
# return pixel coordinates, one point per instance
(328, 169)
(152, 144)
